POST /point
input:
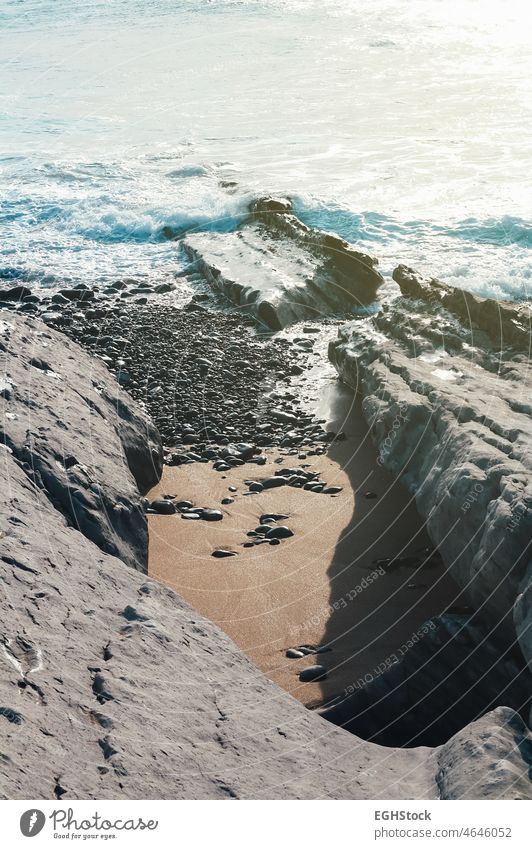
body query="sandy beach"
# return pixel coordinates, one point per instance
(321, 587)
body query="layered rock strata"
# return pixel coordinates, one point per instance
(110, 685)
(280, 270)
(445, 382)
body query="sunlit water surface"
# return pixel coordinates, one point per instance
(404, 125)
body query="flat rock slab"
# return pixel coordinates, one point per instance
(282, 271)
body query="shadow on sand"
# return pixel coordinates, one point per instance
(396, 675)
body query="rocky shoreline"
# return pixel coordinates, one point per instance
(448, 414)
(445, 401)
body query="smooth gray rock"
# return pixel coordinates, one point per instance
(452, 416)
(76, 432)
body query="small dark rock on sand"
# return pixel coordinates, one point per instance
(282, 532)
(165, 508)
(313, 673)
(212, 515)
(294, 654)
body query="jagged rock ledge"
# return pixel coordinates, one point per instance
(280, 270)
(445, 385)
(111, 686)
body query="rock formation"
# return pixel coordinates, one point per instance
(282, 271)
(111, 686)
(445, 384)
(67, 424)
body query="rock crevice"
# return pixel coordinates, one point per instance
(110, 685)
(448, 411)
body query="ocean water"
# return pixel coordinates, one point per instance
(403, 125)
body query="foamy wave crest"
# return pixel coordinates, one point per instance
(83, 221)
(492, 257)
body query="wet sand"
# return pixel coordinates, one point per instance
(310, 589)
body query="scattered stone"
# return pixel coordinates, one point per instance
(281, 532)
(16, 293)
(223, 552)
(271, 483)
(210, 515)
(165, 508)
(272, 517)
(294, 654)
(282, 416)
(313, 673)
(307, 649)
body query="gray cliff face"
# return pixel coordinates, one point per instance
(76, 435)
(506, 324)
(282, 271)
(110, 685)
(450, 413)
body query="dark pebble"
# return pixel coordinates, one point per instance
(272, 517)
(313, 673)
(256, 487)
(370, 494)
(165, 508)
(270, 483)
(293, 654)
(282, 532)
(212, 515)
(222, 552)
(306, 649)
